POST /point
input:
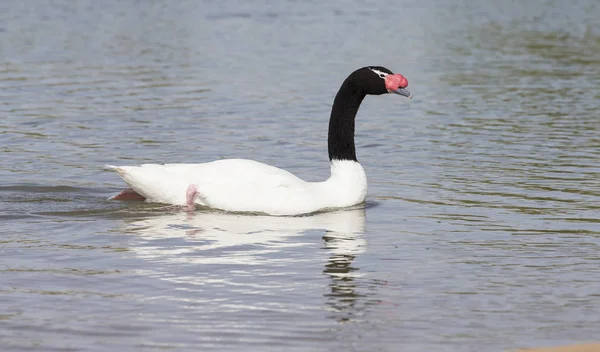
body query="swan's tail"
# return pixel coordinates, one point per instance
(156, 183)
(119, 169)
(126, 194)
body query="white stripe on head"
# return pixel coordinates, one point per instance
(379, 73)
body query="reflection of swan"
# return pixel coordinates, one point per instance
(220, 238)
(237, 263)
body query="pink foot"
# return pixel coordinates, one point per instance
(128, 194)
(190, 197)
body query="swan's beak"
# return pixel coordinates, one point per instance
(397, 84)
(403, 92)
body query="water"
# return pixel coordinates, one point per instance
(481, 230)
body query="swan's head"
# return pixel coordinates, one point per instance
(378, 80)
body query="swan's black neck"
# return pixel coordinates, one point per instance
(341, 123)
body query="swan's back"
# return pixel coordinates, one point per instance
(240, 184)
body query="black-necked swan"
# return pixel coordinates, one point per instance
(240, 185)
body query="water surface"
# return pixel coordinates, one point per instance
(481, 229)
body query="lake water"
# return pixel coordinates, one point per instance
(481, 230)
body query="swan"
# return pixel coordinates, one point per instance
(241, 185)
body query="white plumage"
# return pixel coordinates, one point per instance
(242, 185)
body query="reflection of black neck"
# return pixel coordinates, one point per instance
(343, 297)
(341, 123)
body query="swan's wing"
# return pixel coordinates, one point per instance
(233, 172)
(246, 185)
(222, 183)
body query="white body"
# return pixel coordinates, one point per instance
(248, 186)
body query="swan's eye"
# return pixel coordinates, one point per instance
(382, 75)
